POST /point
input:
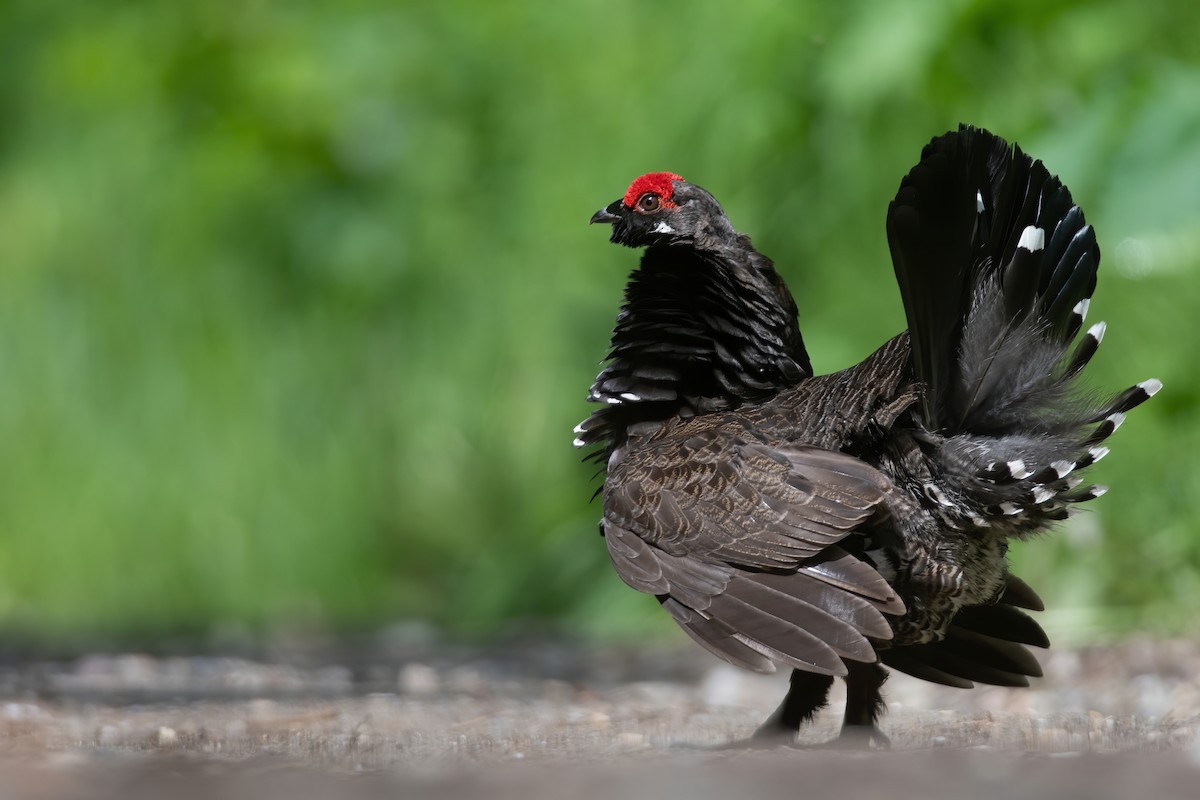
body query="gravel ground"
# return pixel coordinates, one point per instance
(545, 720)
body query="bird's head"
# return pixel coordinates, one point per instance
(661, 207)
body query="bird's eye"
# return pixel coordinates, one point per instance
(648, 202)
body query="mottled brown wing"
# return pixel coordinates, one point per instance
(738, 541)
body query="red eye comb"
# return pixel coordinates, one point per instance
(657, 182)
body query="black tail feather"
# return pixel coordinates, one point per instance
(1002, 621)
(907, 660)
(1020, 594)
(941, 656)
(1130, 399)
(997, 266)
(1084, 351)
(1107, 427)
(984, 643)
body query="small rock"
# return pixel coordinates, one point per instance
(20, 712)
(418, 679)
(723, 686)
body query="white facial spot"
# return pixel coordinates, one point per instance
(662, 227)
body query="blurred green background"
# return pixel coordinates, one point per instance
(298, 303)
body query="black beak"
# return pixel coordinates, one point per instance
(605, 215)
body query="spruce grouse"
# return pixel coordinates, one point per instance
(835, 523)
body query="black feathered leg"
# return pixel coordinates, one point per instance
(807, 694)
(864, 704)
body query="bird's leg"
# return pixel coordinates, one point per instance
(807, 694)
(864, 705)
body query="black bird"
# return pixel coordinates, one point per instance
(833, 523)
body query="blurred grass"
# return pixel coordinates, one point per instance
(298, 304)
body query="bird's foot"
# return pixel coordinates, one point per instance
(766, 737)
(771, 734)
(860, 737)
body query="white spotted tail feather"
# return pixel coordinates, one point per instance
(997, 278)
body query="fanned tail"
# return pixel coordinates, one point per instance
(997, 266)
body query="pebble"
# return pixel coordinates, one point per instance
(418, 679)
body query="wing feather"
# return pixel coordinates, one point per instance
(739, 542)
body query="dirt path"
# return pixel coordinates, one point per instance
(538, 721)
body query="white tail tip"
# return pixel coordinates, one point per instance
(1062, 468)
(1032, 239)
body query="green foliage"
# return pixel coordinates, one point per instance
(298, 304)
